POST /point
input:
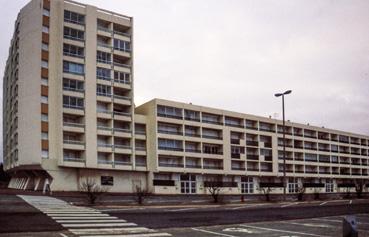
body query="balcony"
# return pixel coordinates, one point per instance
(170, 148)
(193, 150)
(212, 137)
(74, 159)
(171, 132)
(252, 143)
(175, 116)
(174, 165)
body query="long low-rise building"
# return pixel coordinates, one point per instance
(69, 114)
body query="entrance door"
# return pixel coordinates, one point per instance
(188, 184)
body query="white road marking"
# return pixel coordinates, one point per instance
(291, 204)
(212, 232)
(80, 215)
(183, 209)
(310, 225)
(321, 204)
(111, 230)
(350, 201)
(132, 235)
(90, 221)
(99, 225)
(248, 205)
(121, 209)
(84, 218)
(283, 231)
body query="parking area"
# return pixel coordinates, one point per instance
(319, 227)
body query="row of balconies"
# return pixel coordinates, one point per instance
(178, 113)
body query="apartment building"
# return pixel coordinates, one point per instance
(69, 114)
(192, 147)
(68, 98)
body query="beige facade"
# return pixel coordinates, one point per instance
(69, 114)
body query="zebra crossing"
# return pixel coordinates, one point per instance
(86, 221)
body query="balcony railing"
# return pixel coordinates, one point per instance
(212, 122)
(193, 150)
(125, 130)
(74, 142)
(235, 141)
(106, 162)
(73, 159)
(192, 119)
(252, 157)
(118, 162)
(252, 143)
(122, 146)
(164, 164)
(234, 125)
(192, 135)
(213, 167)
(120, 113)
(104, 145)
(193, 166)
(69, 124)
(175, 116)
(211, 137)
(170, 132)
(238, 168)
(170, 148)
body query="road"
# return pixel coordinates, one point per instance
(235, 214)
(44, 216)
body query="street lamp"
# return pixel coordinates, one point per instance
(284, 141)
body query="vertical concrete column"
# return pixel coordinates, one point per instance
(90, 86)
(227, 149)
(275, 153)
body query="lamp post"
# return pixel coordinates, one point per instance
(284, 141)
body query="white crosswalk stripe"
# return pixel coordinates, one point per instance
(86, 221)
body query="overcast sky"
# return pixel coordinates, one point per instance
(235, 54)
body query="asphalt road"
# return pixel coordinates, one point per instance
(303, 219)
(18, 216)
(235, 214)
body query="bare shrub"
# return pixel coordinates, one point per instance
(92, 190)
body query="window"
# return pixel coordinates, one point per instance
(44, 136)
(44, 64)
(45, 12)
(74, 17)
(122, 45)
(329, 186)
(73, 34)
(74, 68)
(73, 85)
(103, 57)
(103, 73)
(44, 117)
(103, 90)
(45, 29)
(45, 47)
(44, 81)
(247, 185)
(44, 99)
(73, 102)
(293, 186)
(74, 51)
(107, 180)
(122, 77)
(168, 144)
(45, 154)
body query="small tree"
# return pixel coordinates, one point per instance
(214, 189)
(316, 193)
(266, 191)
(300, 193)
(348, 192)
(140, 194)
(359, 189)
(92, 190)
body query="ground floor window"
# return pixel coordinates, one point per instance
(329, 186)
(247, 185)
(293, 186)
(188, 183)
